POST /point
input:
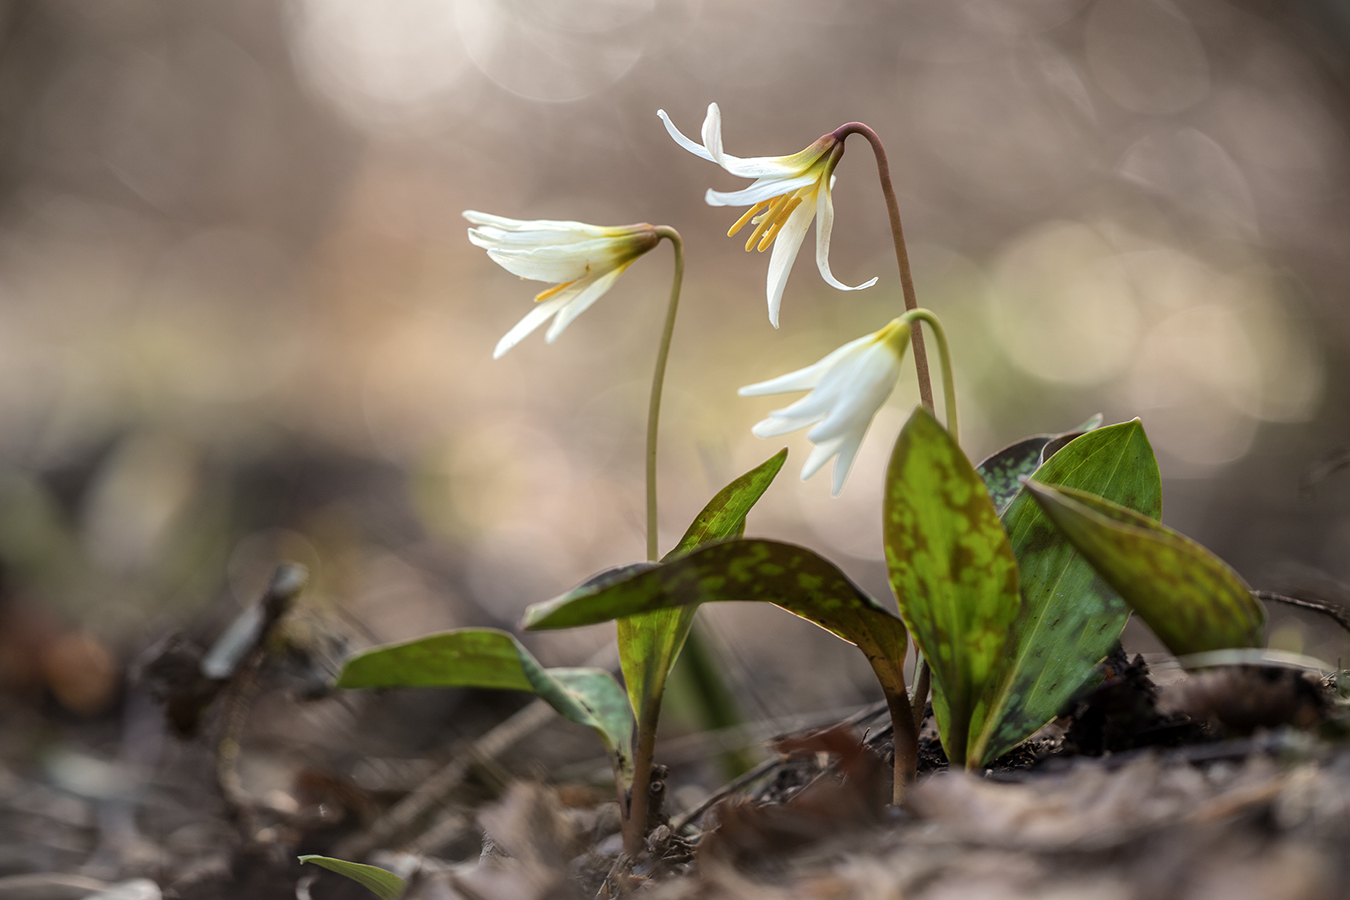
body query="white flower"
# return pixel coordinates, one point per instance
(847, 388)
(583, 261)
(789, 191)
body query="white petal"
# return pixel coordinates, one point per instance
(582, 229)
(848, 450)
(696, 149)
(581, 300)
(533, 319)
(820, 455)
(825, 224)
(803, 379)
(785, 248)
(560, 263)
(537, 268)
(778, 423)
(712, 134)
(859, 398)
(760, 190)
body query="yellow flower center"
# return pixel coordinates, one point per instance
(768, 217)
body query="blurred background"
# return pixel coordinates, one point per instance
(240, 320)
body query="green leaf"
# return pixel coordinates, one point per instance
(380, 882)
(650, 643)
(1069, 618)
(1002, 471)
(489, 658)
(1193, 601)
(952, 571)
(792, 577)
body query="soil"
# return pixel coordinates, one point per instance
(1231, 783)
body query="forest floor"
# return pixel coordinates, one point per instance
(1228, 784)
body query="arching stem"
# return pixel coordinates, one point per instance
(945, 360)
(658, 382)
(901, 254)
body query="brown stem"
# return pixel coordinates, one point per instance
(905, 735)
(635, 818)
(901, 254)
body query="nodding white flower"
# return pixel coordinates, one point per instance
(583, 261)
(847, 388)
(789, 191)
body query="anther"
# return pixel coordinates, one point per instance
(749, 214)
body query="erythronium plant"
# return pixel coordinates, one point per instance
(1014, 578)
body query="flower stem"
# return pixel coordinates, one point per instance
(945, 358)
(901, 254)
(658, 382)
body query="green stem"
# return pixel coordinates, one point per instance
(901, 253)
(945, 358)
(658, 382)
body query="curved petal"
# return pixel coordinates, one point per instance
(777, 424)
(848, 451)
(803, 379)
(581, 300)
(864, 389)
(696, 149)
(785, 248)
(824, 225)
(533, 319)
(567, 262)
(760, 190)
(582, 230)
(820, 455)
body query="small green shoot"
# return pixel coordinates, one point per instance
(380, 882)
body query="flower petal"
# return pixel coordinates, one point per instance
(864, 389)
(696, 149)
(760, 190)
(820, 455)
(807, 378)
(533, 319)
(564, 229)
(848, 451)
(785, 248)
(581, 300)
(824, 225)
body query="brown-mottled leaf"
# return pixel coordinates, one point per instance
(952, 571)
(1193, 601)
(1069, 618)
(650, 643)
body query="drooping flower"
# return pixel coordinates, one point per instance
(582, 261)
(847, 388)
(789, 191)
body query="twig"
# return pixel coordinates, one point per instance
(1333, 610)
(287, 582)
(868, 712)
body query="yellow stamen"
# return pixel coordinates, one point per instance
(749, 214)
(766, 220)
(778, 224)
(544, 295)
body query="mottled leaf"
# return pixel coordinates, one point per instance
(792, 577)
(1069, 618)
(952, 571)
(380, 882)
(489, 658)
(650, 643)
(1193, 601)
(1002, 471)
